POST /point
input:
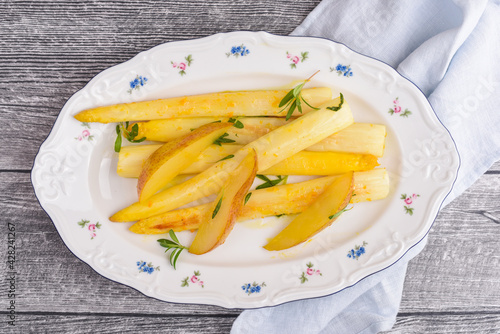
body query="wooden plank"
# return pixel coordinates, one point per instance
(446, 323)
(74, 323)
(457, 271)
(49, 50)
(495, 168)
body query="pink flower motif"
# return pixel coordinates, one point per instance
(194, 279)
(174, 64)
(397, 109)
(317, 272)
(414, 195)
(295, 60)
(92, 227)
(85, 133)
(93, 235)
(200, 283)
(408, 200)
(396, 102)
(182, 66)
(310, 271)
(80, 138)
(288, 55)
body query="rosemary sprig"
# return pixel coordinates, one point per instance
(271, 183)
(237, 123)
(227, 157)
(339, 213)
(129, 135)
(223, 140)
(293, 99)
(337, 108)
(247, 197)
(217, 207)
(172, 244)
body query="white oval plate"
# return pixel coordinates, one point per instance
(75, 179)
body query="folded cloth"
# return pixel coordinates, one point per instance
(449, 49)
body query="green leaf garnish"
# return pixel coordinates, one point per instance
(333, 108)
(217, 207)
(247, 197)
(223, 140)
(129, 135)
(271, 183)
(227, 157)
(339, 213)
(173, 245)
(293, 99)
(237, 123)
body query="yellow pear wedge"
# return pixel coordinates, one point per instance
(173, 157)
(226, 208)
(321, 214)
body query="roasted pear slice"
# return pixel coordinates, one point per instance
(173, 157)
(217, 226)
(321, 214)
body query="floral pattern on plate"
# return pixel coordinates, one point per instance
(194, 279)
(146, 267)
(183, 65)
(295, 59)
(137, 83)
(92, 228)
(357, 251)
(396, 109)
(409, 201)
(344, 70)
(253, 288)
(237, 51)
(309, 272)
(85, 135)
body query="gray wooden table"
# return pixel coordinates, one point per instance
(51, 49)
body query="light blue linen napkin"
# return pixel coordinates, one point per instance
(450, 49)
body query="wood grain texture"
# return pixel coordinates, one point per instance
(457, 271)
(51, 49)
(74, 323)
(446, 323)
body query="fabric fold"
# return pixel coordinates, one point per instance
(449, 49)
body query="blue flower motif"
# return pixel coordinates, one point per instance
(357, 251)
(146, 267)
(344, 70)
(253, 288)
(138, 82)
(238, 51)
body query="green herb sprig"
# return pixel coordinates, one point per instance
(339, 213)
(271, 183)
(129, 135)
(227, 157)
(337, 108)
(217, 207)
(247, 197)
(293, 99)
(223, 140)
(172, 244)
(236, 123)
